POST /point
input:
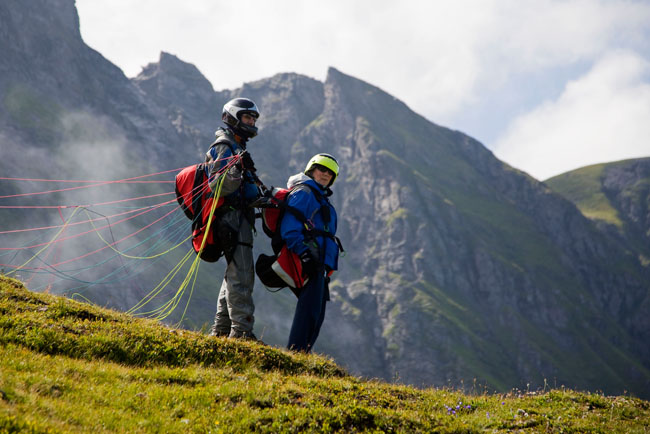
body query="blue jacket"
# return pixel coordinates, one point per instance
(220, 152)
(303, 199)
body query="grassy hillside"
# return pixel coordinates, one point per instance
(67, 366)
(584, 188)
(616, 193)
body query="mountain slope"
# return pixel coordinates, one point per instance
(456, 263)
(458, 267)
(134, 375)
(461, 260)
(67, 113)
(612, 194)
(59, 97)
(616, 196)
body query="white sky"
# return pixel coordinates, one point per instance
(549, 86)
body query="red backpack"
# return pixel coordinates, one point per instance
(195, 198)
(271, 216)
(284, 268)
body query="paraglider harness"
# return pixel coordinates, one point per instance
(196, 199)
(284, 268)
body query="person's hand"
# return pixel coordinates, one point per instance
(247, 162)
(309, 265)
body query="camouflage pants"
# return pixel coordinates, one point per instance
(235, 306)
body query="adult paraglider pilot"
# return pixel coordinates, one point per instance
(235, 308)
(315, 245)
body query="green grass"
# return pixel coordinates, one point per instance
(71, 367)
(612, 205)
(584, 188)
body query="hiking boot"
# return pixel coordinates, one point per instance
(219, 334)
(238, 334)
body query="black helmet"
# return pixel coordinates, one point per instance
(232, 113)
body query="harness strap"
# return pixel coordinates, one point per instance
(321, 233)
(240, 202)
(223, 140)
(309, 229)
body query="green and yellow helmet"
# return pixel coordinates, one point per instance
(325, 160)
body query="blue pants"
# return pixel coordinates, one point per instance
(310, 313)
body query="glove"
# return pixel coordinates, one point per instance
(247, 162)
(309, 265)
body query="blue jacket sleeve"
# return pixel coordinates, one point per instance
(219, 156)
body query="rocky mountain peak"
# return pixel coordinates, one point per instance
(170, 76)
(58, 90)
(270, 93)
(55, 18)
(63, 12)
(44, 34)
(185, 95)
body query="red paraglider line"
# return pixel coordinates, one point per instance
(76, 206)
(113, 244)
(84, 233)
(94, 183)
(85, 221)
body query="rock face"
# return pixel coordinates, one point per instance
(627, 184)
(616, 196)
(465, 263)
(458, 267)
(194, 106)
(68, 113)
(55, 90)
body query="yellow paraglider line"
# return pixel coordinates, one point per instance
(130, 256)
(48, 244)
(162, 312)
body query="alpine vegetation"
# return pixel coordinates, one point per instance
(67, 366)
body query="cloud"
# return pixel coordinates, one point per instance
(481, 66)
(600, 117)
(443, 59)
(540, 34)
(439, 57)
